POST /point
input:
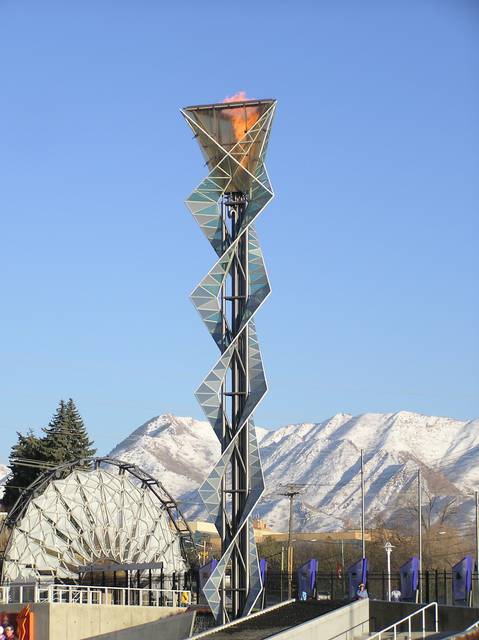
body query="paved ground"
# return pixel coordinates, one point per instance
(290, 615)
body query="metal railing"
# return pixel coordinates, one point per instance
(393, 627)
(86, 594)
(474, 625)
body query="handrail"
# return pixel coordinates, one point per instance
(94, 594)
(473, 625)
(408, 619)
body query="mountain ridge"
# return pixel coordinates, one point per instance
(324, 456)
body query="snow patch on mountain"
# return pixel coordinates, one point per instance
(324, 457)
(179, 452)
(4, 473)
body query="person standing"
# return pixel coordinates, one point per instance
(362, 592)
(10, 632)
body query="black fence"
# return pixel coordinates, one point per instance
(436, 586)
(149, 579)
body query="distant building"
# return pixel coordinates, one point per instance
(205, 533)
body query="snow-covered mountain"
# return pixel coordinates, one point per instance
(4, 473)
(179, 452)
(324, 457)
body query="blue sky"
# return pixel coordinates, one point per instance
(371, 241)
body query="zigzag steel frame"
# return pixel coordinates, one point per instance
(225, 205)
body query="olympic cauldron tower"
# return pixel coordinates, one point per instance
(233, 137)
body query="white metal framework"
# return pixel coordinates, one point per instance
(93, 512)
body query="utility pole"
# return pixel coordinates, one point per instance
(419, 526)
(363, 541)
(290, 543)
(389, 547)
(291, 491)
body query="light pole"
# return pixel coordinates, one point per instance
(419, 526)
(363, 540)
(389, 547)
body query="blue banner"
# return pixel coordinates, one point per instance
(307, 579)
(462, 579)
(409, 572)
(263, 567)
(204, 573)
(357, 573)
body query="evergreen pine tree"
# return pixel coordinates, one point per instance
(80, 445)
(66, 438)
(54, 444)
(22, 475)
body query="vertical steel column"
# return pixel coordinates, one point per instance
(222, 526)
(233, 206)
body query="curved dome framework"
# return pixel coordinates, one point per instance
(91, 512)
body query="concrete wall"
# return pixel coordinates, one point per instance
(332, 625)
(81, 621)
(172, 628)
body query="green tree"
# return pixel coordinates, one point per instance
(23, 462)
(66, 438)
(80, 446)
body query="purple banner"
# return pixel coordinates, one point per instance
(357, 573)
(204, 573)
(409, 572)
(263, 567)
(462, 579)
(307, 579)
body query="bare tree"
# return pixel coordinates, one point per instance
(443, 542)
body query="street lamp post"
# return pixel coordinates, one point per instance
(389, 547)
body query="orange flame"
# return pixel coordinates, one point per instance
(242, 119)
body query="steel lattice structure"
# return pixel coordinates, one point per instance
(233, 137)
(93, 511)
